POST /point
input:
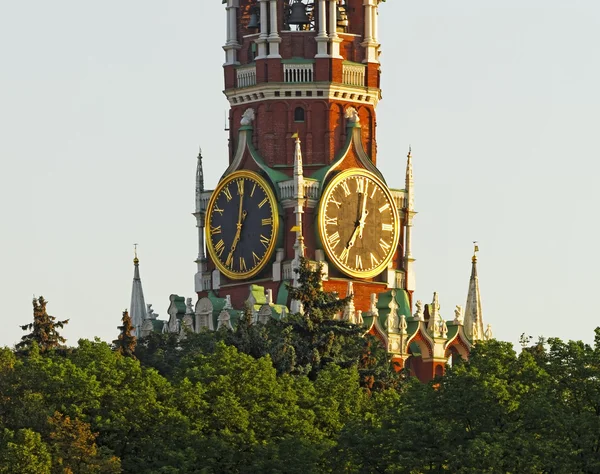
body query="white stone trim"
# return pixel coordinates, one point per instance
(260, 92)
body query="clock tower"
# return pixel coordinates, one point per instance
(302, 78)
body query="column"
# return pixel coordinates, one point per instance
(333, 36)
(264, 30)
(322, 39)
(370, 43)
(231, 46)
(274, 38)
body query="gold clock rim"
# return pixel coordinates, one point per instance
(322, 234)
(272, 200)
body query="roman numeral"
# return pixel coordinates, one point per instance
(384, 207)
(243, 265)
(253, 189)
(268, 221)
(388, 227)
(220, 247)
(256, 259)
(359, 264)
(264, 240)
(344, 255)
(360, 185)
(332, 199)
(384, 245)
(346, 188)
(331, 220)
(262, 203)
(240, 185)
(374, 261)
(215, 230)
(374, 191)
(333, 239)
(227, 193)
(216, 209)
(229, 260)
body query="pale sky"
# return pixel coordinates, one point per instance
(103, 106)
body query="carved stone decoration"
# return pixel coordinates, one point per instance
(434, 326)
(488, 333)
(359, 318)
(188, 306)
(224, 320)
(443, 329)
(373, 305)
(350, 311)
(187, 324)
(204, 311)
(150, 314)
(247, 117)
(458, 315)
(264, 314)
(392, 319)
(269, 296)
(403, 325)
(227, 302)
(147, 327)
(352, 115)
(419, 314)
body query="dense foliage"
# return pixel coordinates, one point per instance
(252, 401)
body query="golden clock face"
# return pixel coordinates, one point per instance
(241, 225)
(358, 223)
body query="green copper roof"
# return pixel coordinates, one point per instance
(384, 300)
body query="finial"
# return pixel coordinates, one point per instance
(409, 152)
(475, 250)
(296, 136)
(135, 258)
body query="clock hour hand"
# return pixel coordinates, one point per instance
(236, 238)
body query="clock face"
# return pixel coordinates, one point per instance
(358, 223)
(241, 225)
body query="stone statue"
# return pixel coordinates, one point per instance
(458, 314)
(224, 320)
(227, 302)
(488, 332)
(247, 117)
(419, 315)
(352, 115)
(359, 319)
(150, 314)
(188, 306)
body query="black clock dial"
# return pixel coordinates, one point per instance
(358, 223)
(241, 224)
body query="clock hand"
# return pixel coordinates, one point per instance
(236, 238)
(363, 215)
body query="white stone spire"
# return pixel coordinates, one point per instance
(409, 214)
(298, 211)
(137, 309)
(473, 318)
(199, 215)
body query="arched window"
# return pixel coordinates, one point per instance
(299, 114)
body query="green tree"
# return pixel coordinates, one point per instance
(44, 329)
(74, 450)
(126, 342)
(23, 452)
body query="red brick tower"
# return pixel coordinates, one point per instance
(302, 80)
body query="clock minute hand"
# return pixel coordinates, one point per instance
(364, 212)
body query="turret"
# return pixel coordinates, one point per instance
(473, 317)
(137, 309)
